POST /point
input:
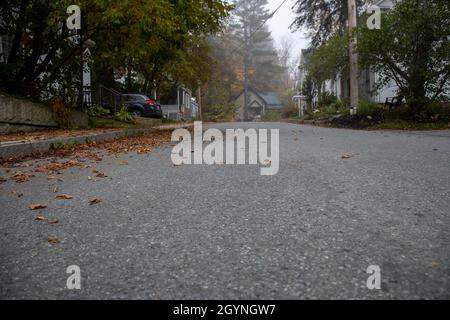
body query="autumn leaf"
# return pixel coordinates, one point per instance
(53, 221)
(101, 175)
(36, 206)
(39, 218)
(64, 196)
(20, 177)
(17, 194)
(55, 189)
(123, 162)
(346, 156)
(53, 240)
(2, 180)
(94, 201)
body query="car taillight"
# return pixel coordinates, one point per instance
(149, 102)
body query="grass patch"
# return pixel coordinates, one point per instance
(409, 125)
(168, 121)
(100, 122)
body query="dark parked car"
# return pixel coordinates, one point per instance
(142, 106)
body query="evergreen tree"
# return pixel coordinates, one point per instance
(264, 69)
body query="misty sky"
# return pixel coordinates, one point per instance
(279, 25)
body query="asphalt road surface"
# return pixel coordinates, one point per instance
(226, 232)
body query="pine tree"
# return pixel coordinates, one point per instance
(264, 69)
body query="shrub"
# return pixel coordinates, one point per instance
(124, 115)
(326, 99)
(341, 106)
(290, 110)
(435, 112)
(366, 108)
(96, 110)
(271, 116)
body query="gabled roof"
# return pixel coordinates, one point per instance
(270, 98)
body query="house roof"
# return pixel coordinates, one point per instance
(270, 98)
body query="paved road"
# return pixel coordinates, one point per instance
(226, 232)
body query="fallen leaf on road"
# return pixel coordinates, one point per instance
(95, 200)
(101, 175)
(346, 156)
(20, 177)
(53, 221)
(2, 180)
(53, 240)
(123, 162)
(89, 178)
(36, 206)
(55, 189)
(40, 169)
(17, 194)
(64, 196)
(39, 218)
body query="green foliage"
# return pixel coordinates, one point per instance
(366, 108)
(271, 115)
(411, 48)
(141, 40)
(96, 110)
(264, 68)
(327, 99)
(96, 122)
(329, 60)
(342, 106)
(64, 146)
(124, 115)
(323, 18)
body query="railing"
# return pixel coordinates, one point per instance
(110, 98)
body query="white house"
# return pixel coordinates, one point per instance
(339, 86)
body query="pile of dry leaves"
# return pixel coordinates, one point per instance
(80, 154)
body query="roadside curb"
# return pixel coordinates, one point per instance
(24, 148)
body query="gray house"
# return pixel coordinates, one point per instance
(259, 103)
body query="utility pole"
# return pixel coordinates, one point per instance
(245, 64)
(354, 94)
